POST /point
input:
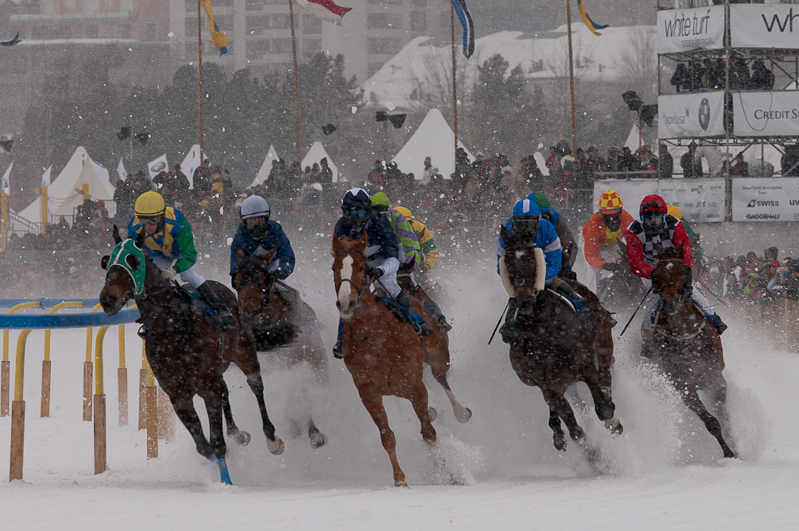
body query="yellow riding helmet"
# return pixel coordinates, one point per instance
(675, 211)
(405, 212)
(150, 204)
(610, 203)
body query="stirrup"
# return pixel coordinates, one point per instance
(445, 326)
(337, 352)
(422, 330)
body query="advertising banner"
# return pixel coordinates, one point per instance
(682, 30)
(766, 113)
(699, 200)
(764, 26)
(691, 115)
(774, 199)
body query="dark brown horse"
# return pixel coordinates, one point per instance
(186, 352)
(436, 345)
(384, 356)
(289, 335)
(689, 347)
(553, 348)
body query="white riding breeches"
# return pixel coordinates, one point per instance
(389, 278)
(189, 276)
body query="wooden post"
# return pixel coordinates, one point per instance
(296, 83)
(152, 422)
(3, 220)
(571, 76)
(87, 390)
(122, 377)
(200, 75)
(99, 434)
(17, 439)
(45, 213)
(142, 398)
(454, 79)
(46, 388)
(166, 424)
(5, 375)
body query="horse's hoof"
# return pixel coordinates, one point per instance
(318, 440)
(433, 414)
(276, 447)
(464, 416)
(242, 438)
(400, 483)
(729, 454)
(560, 443)
(614, 426)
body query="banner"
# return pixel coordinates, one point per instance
(123, 175)
(766, 113)
(765, 199)
(764, 26)
(46, 177)
(154, 167)
(681, 30)
(699, 200)
(6, 182)
(691, 115)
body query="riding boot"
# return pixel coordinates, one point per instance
(506, 330)
(647, 349)
(438, 314)
(585, 310)
(223, 315)
(717, 323)
(337, 352)
(422, 329)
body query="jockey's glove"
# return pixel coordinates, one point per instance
(168, 274)
(610, 266)
(375, 272)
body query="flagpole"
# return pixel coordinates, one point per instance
(200, 66)
(4, 217)
(454, 79)
(296, 81)
(571, 75)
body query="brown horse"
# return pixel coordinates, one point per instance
(384, 356)
(277, 329)
(690, 348)
(436, 345)
(553, 348)
(186, 352)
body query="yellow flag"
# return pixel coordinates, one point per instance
(218, 38)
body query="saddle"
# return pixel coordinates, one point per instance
(400, 312)
(196, 300)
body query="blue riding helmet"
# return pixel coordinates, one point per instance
(526, 214)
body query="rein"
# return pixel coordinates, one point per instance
(679, 338)
(359, 289)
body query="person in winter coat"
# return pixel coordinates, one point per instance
(600, 235)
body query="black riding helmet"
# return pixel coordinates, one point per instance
(356, 207)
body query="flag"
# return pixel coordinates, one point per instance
(123, 175)
(12, 42)
(218, 38)
(462, 12)
(590, 24)
(325, 9)
(46, 177)
(157, 166)
(6, 183)
(193, 165)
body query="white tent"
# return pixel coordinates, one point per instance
(190, 162)
(263, 173)
(63, 193)
(432, 139)
(317, 153)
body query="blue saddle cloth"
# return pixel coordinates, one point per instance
(199, 302)
(398, 310)
(575, 305)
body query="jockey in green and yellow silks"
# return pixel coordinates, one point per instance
(170, 245)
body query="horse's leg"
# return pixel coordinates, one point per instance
(603, 403)
(213, 406)
(563, 410)
(719, 397)
(273, 442)
(558, 437)
(184, 409)
(372, 399)
(241, 437)
(691, 398)
(462, 414)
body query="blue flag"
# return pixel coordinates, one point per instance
(462, 12)
(590, 24)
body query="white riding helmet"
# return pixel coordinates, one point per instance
(253, 207)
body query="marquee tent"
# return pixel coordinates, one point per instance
(263, 173)
(317, 153)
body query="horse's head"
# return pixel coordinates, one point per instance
(253, 282)
(668, 278)
(125, 276)
(526, 269)
(349, 273)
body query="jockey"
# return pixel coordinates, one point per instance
(600, 236)
(527, 222)
(568, 245)
(408, 245)
(429, 261)
(169, 243)
(382, 251)
(656, 226)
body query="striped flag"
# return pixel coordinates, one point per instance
(590, 24)
(325, 9)
(218, 38)
(463, 14)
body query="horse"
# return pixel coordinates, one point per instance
(275, 328)
(553, 348)
(690, 350)
(436, 345)
(383, 355)
(186, 352)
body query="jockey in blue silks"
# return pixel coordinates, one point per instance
(257, 235)
(382, 251)
(527, 223)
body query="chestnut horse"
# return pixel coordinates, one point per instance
(689, 347)
(436, 345)
(278, 332)
(553, 349)
(186, 352)
(384, 356)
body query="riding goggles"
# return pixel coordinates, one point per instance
(653, 206)
(612, 221)
(251, 223)
(654, 220)
(148, 220)
(526, 224)
(355, 212)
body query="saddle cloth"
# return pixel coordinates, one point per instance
(400, 312)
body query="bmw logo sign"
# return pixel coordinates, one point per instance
(704, 114)
(161, 165)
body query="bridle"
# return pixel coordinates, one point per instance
(263, 287)
(659, 289)
(366, 282)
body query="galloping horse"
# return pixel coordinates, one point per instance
(186, 352)
(277, 331)
(383, 355)
(553, 348)
(690, 349)
(435, 346)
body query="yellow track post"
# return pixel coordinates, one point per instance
(18, 412)
(5, 366)
(99, 406)
(46, 368)
(152, 415)
(143, 389)
(122, 380)
(87, 374)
